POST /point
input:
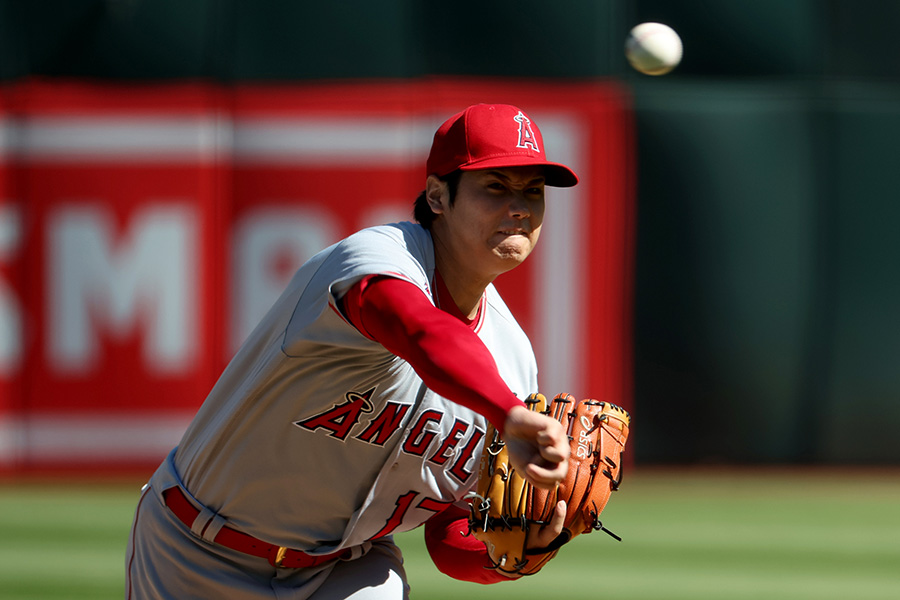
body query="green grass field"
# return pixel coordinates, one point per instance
(774, 534)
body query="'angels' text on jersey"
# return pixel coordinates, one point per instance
(341, 418)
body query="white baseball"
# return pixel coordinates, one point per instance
(653, 48)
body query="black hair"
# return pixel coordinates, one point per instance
(422, 212)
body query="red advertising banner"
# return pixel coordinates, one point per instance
(145, 229)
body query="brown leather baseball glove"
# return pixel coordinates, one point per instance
(504, 507)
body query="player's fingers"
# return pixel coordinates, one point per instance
(546, 476)
(546, 534)
(554, 448)
(556, 521)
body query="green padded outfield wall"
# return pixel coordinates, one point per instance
(767, 292)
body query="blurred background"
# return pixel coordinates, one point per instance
(765, 298)
(750, 216)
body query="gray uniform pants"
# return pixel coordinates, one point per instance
(165, 561)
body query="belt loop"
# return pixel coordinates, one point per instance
(198, 527)
(207, 525)
(354, 552)
(213, 528)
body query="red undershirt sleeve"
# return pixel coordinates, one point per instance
(456, 554)
(448, 356)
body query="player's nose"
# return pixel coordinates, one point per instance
(519, 206)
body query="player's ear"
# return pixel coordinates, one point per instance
(437, 194)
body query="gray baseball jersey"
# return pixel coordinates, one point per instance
(316, 437)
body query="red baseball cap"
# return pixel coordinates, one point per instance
(486, 136)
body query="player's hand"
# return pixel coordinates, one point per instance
(538, 446)
(541, 537)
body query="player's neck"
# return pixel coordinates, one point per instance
(464, 290)
(444, 300)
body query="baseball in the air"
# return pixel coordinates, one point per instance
(653, 48)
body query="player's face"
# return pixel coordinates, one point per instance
(495, 221)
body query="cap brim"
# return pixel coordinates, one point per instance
(557, 175)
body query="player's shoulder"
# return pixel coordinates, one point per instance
(387, 248)
(406, 234)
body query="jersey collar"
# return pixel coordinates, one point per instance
(444, 301)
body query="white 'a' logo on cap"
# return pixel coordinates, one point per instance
(526, 135)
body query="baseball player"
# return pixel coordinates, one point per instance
(358, 407)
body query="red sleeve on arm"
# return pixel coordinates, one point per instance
(456, 554)
(446, 354)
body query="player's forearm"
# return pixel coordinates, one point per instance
(447, 355)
